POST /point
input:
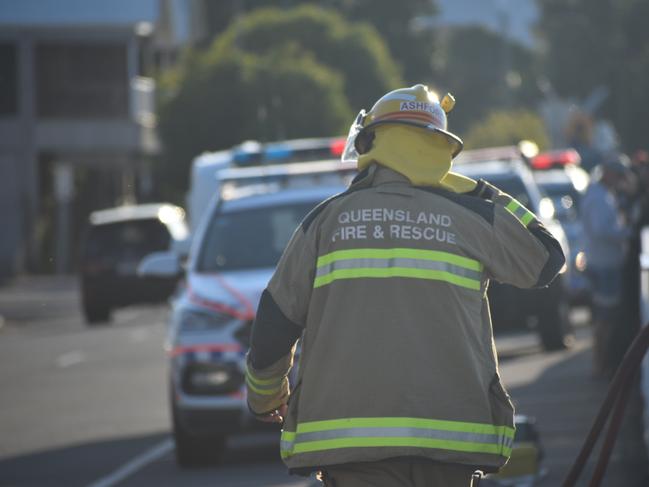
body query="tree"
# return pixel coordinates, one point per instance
(507, 127)
(484, 71)
(354, 50)
(269, 76)
(601, 43)
(238, 97)
(395, 21)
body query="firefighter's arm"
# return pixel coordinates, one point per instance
(280, 320)
(272, 346)
(524, 253)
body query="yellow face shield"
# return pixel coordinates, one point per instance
(424, 158)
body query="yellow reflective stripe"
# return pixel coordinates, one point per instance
(262, 392)
(397, 272)
(398, 262)
(399, 442)
(262, 382)
(527, 218)
(397, 422)
(403, 432)
(407, 253)
(523, 215)
(513, 206)
(264, 387)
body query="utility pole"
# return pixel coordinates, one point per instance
(64, 192)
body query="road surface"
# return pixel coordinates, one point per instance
(87, 407)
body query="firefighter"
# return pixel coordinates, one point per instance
(386, 285)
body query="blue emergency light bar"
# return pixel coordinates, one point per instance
(252, 153)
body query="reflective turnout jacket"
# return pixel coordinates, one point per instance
(386, 284)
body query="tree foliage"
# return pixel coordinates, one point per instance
(395, 21)
(507, 127)
(354, 50)
(601, 43)
(485, 72)
(271, 75)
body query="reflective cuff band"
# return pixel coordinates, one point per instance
(399, 262)
(264, 387)
(524, 215)
(398, 432)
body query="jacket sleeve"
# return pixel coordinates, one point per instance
(280, 319)
(523, 252)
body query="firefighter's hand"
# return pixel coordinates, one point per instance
(276, 416)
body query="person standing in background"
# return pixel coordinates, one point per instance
(638, 218)
(606, 244)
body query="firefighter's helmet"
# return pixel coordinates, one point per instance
(416, 106)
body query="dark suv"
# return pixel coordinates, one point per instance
(115, 242)
(546, 309)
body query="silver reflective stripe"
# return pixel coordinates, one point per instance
(285, 445)
(520, 212)
(398, 432)
(454, 436)
(524, 215)
(398, 262)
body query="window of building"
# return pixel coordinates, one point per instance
(82, 81)
(8, 79)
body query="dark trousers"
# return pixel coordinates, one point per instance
(398, 473)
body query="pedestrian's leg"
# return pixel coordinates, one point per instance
(601, 336)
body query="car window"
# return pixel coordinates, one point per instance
(250, 239)
(134, 238)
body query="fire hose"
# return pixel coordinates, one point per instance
(613, 406)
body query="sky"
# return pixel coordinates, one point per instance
(61, 12)
(521, 15)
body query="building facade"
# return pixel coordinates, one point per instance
(77, 117)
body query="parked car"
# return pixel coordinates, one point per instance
(566, 187)
(546, 309)
(211, 319)
(205, 179)
(115, 242)
(244, 229)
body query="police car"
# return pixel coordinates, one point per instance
(546, 310)
(566, 185)
(115, 241)
(234, 253)
(207, 168)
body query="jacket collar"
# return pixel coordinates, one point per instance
(375, 175)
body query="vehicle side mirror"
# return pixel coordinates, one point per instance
(161, 265)
(182, 247)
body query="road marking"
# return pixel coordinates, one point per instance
(70, 358)
(138, 463)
